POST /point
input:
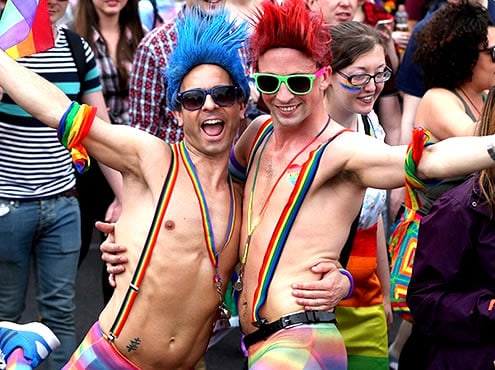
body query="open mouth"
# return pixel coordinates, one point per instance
(213, 127)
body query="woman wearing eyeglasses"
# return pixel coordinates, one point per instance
(455, 54)
(359, 74)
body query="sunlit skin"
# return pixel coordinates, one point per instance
(335, 11)
(298, 119)
(286, 108)
(211, 129)
(176, 325)
(208, 6)
(109, 7)
(56, 10)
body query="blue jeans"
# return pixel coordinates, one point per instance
(49, 232)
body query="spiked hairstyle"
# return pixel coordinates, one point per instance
(290, 24)
(207, 39)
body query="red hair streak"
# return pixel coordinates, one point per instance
(290, 24)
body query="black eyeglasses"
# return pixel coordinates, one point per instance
(297, 84)
(362, 79)
(223, 95)
(491, 51)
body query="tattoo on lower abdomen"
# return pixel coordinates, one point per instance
(134, 344)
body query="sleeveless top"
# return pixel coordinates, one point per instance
(429, 194)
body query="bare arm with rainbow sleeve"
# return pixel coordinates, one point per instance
(114, 145)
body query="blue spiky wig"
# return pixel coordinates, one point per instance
(207, 39)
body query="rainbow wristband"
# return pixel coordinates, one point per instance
(351, 280)
(73, 127)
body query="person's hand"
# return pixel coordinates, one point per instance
(401, 38)
(389, 315)
(113, 211)
(111, 252)
(385, 31)
(324, 294)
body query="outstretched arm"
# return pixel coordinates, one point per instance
(113, 145)
(456, 156)
(382, 166)
(36, 95)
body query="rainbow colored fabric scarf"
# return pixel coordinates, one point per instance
(73, 127)
(25, 28)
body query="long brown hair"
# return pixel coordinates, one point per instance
(350, 40)
(86, 19)
(486, 126)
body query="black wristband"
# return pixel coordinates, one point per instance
(491, 151)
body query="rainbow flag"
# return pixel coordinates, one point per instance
(25, 28)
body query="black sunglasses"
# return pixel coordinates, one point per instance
(491, 51)
(223, 95)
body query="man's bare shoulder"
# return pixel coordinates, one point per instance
(256, 123)
(245, 142)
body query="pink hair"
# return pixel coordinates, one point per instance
(290, 25)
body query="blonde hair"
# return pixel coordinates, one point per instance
(486, 126)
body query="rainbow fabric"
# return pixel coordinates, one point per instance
(95, 352)
(419, 141)
(73, 127)
(361, 318)
(404, 237)
(316, 346)
(17, 361)
(25, 28)
(263, 131)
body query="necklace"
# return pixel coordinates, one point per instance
(207, 225)
(251, 226)
(470, 101)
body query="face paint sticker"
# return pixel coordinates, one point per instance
(293, 173)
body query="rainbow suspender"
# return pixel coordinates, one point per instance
(282, 229)
(263, 131)
(145, 257)
(284, 225)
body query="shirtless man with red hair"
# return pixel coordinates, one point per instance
(305, 177)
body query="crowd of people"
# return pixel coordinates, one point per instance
(255, 150)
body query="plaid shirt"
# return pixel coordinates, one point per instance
(116, 99)
(148, 85)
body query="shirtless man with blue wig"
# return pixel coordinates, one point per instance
(181, 212)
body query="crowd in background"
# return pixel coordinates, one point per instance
(388, 78)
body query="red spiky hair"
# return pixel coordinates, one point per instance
(290, 24)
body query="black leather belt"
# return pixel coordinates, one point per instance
(306, 317)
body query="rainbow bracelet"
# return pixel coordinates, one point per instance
(73, 128)
(351, 280)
